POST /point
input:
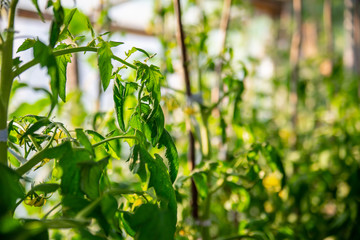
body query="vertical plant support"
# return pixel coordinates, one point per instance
(191, 153)
(6, 80)
(328, 26)
(352, 37)
(294, 62)
(224, 23)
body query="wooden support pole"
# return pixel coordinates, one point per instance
(184, 61)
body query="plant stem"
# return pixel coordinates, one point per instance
(294, 64)
(238, 237)
(191, 152)
(56, 53)
(224, 23)
(6, 79)
(205, 228)
(35, 159)
(113, 138)
(50, 211)
(124, 62)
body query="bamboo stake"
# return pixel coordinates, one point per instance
(294, 63)
(184, 61)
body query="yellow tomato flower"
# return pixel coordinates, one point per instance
(59, 135)
(137, 202)
(43, 162)
(189, 111)
(272, 182)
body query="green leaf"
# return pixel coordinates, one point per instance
(150, 123)
(56, 24)
(160, 180)
(115, 44)
(42, 122)
(17, 156)
(200, 180)
(85, 234)
(90, 27)
(45, 188)
(68, 17)
(109, 148)
(133, 50)
(120, 94)
(109, 206)
(48, 60)
(9, 182)
(119, 100)
(84, 140)
(155, 123)
(151, 223)
(62, 62)
(152, 77)
(153, 83)
(35, 2)
(143, 51)
(170, 153)
(50, 153)
(73, 204)
(130, 52)
(41, 52)
(54, 77)
(90, 177)
(70, 180)
(104, 62)
(136, 165)
(28, 43)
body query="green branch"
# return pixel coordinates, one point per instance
(114, 138)
(35, 159)
(124, 62)
(61, 52)
(6, 78)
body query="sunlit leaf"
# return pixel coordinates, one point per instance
(62, 62)
(151, 223)
(90, 177)
(70, 180)
(170, 153)
(45, 188)
(35, 3)
(27, 44)
(84, 140)
(9, 181)
(104, 62)
(200, 180)
(119, 100)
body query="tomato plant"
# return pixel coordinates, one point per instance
(80, 159)
(242, 152)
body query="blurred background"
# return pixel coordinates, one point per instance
(283, 72)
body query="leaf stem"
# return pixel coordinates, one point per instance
(61, 52)
(50, 211)
(124, 62)
(34, 160)
(237, 237)
(114, 138)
